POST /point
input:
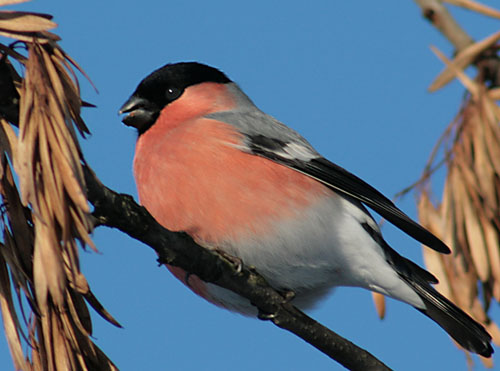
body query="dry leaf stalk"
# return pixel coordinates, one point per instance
(48, 219)
(468, 217)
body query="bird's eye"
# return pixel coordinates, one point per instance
(172, 93)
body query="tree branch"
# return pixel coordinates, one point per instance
(120, 211)
(179, 249)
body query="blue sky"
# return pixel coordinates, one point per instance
(351, 76)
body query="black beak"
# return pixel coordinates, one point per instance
(141, 113)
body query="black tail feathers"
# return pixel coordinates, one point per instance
(459, 325)
(466, 332)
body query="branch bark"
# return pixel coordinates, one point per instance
(179, 249)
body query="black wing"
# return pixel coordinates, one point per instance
(340, 180)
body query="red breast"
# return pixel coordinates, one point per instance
(192, 177)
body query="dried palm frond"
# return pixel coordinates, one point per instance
(476, 7)
(463, 59)
(468, 217)
(48, 219)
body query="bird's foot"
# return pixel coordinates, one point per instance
(265, 316)
(235, 261)
(287, 295)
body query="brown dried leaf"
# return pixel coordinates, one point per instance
(83, 227)
(17, 215)
(489, 110)
(16, 266)
(51, 180)
(431, 219)
(12, 2)
(80, 283)
(494, 93)
(98, 307)
(71, 263)
(50, 263)
(460, 240)
(487, 362)
(444, 221)
(457, 72)
(494, 331)
(493, 247)
(475, 7)
(434, 263)
(69, 86)
(40, 282)
(31, 37)
(483, 167)
(15, 55)
(9, 317)
(462, 60)
(54, 79)
(72, 185)
(25, 21)
(45, 333)
(8, 139)
(496, 290)
(28, 131)
(60, 53)
(48, 160)
(61, 354)
(73, 97)
(477, 311)
(470, 208)
(79, 313)
(379, 301)
(492, 144)
(474, 233)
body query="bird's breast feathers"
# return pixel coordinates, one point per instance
(269, 215)
(200, 169)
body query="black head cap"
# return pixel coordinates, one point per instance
(162, 87)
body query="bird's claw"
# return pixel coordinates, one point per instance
(288, 295)
(265, 316)
(235, 261)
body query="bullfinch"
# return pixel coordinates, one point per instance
(210, 163)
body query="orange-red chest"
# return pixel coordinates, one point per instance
(193, 178)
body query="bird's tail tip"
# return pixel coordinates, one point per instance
(470, 334)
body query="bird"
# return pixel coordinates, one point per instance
(210, 163)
